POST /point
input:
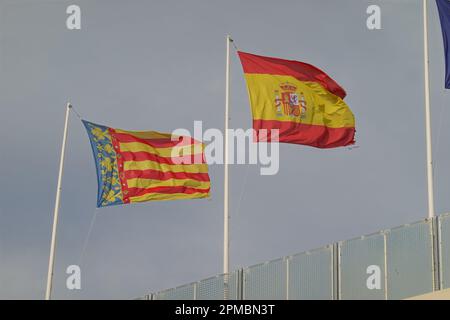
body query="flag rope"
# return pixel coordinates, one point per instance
(88, 236)
(76, 113)
(234, 45)
(244, 183)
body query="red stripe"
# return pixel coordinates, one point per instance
(156, 143)
(252, 63)
(142, 155)
(306, 134)
(134, 192)
(159, 175)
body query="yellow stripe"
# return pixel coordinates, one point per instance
(148, 164)
(151, 183)
(148, 134)
(165, 196)
(162, 152)
(322, 107)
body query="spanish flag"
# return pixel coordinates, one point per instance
(299, 100)
(137, 166)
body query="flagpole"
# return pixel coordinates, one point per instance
(226, 244)
(428, 114)
(225, 185)
(51, 261)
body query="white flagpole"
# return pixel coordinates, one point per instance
(51, 261)
(226, 245)
(225, 185)
(428, 114)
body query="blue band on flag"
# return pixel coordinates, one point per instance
(444, 15)
(109, 189)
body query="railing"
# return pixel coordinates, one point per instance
(392, 264)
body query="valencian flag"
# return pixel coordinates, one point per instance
(137, 166)
(444, 15)
(299, 100)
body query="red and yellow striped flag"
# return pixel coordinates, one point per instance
(137, 166)
(299, 100)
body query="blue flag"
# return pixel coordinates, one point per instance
(444, 15)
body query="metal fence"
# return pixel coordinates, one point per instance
(409, 251)
(265, 281)
(392, 264)
(444, 250)
(310, 275)
(219, 287)
(357, 257)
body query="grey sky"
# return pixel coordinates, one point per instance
(159, 65)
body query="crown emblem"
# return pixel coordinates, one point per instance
(288, 87)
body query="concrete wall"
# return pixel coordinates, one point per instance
(437, 295)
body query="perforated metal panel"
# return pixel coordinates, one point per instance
(409, 260)
(404, 256)
(444, 250)
(186, 292)
(265, 281)
(214, 288)
(311, 275)
(360, 261)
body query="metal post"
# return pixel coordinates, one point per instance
(195, 290)
(385, 266)
(436, 245)
(287, 277)
(226, 244)
(225, 211)
(336, 270)
(51, 262)
(428, 114)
